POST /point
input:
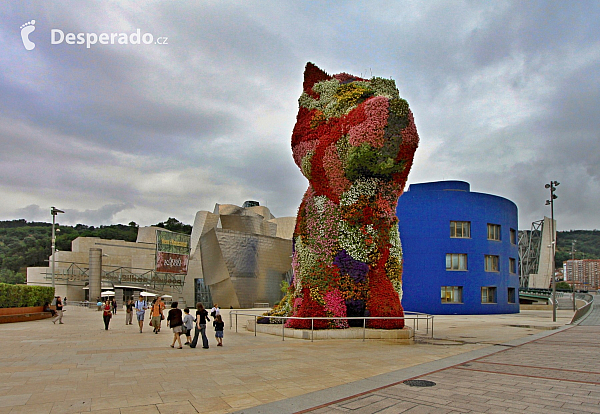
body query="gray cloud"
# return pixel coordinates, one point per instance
(104, 214)
(505, 96)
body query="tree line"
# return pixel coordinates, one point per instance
(26, 244)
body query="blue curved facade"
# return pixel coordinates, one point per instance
(460, 250)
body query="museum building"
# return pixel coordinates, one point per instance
(460, 250)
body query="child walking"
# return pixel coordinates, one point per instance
(219, 325)
(188, 323)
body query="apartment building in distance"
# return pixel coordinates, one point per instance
(584, 273)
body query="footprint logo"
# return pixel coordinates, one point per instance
(26, 30)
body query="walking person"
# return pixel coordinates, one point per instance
(157, 314)
(175, 321)
(106, 314)
(219, 325)
(114, 306)
(215, 310)
(59, 311)
(188, 324)
(129, 312)
(140, 307)
(201, 319)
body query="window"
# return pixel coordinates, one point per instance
(491, 263)
(512, 295)
(451, 294)
(460, 229)
(513, 236)
(493, 232)
(488, 294)
(512, 265)
(456, 261)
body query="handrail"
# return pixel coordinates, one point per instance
(415, 316)
(582, 312)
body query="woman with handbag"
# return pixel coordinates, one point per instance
(107, 313)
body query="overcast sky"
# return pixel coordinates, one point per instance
(506, 96)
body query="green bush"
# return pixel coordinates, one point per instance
(21, 296)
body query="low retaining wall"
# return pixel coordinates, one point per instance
(403, 336)
(9, 315)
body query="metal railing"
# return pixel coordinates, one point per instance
(414, 316)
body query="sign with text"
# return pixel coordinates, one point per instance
(172, 251)
(171, 262)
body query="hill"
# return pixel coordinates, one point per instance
(587, 245)
(25, 244)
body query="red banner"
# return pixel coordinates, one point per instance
(171, 262)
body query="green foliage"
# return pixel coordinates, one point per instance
(284, 285)
(175, 225)
(364, 161)
(29, 244)
(19, 296)
(563, 286)
(10, 277)
(587, 245)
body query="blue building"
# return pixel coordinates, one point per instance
(460, 250)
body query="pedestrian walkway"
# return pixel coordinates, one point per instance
(80, 367)
(593, 319)
(553, 372)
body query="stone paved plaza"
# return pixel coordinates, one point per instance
(80, 367)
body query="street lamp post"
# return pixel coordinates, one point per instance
(572, 272)
(552, 186)
(54, 211)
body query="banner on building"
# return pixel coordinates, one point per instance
(172, 251)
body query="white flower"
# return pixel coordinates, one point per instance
(396, 249)
(353, 241)
(361, 187)
(398, 288)
(320, 203)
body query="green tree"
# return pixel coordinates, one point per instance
(175, 225)
(563, 286)
(12, 278)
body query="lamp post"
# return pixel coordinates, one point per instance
(54, 211)
(552, 186)
(573, 272)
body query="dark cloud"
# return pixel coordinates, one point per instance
(505, 96)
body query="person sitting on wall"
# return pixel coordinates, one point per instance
(47, 308)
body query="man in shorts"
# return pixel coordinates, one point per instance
(140, 307)
(157, 314)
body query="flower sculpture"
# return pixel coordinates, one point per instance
(354, 140)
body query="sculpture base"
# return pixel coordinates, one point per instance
(401, 336)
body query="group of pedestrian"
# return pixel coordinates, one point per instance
(180, 323)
